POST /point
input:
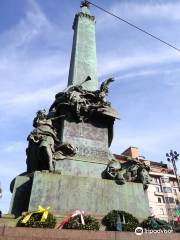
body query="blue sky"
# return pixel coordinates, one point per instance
(36, 39)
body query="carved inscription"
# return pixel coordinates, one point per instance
(85, 130)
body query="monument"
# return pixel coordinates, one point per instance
(69, 164)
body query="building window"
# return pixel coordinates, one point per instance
(172, 211)
(156, 180)
(169, 199)
(167, 190)
(157, 189)
(162, 211)
(159, 200)
(164, 180)
(169, 211)
(174, 183)
(175, 192)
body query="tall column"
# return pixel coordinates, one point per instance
(83, 56)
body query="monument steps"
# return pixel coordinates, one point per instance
(11, 233)
(30, 238)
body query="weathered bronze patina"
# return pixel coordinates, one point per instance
(44, 146)
(134, 170)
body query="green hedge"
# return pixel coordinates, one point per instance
(155, 224)
(91, 223)
(34, 221)
(110, 221)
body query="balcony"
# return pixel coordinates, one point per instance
(159, 193)
(166, 184)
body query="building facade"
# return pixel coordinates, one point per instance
(163, 194)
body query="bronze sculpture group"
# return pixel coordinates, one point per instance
(80, 105)
(84, 104)
(133, 170)
(44, 146)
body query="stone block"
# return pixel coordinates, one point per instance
(80, 168)
(21, 194)
(64, 193)
(91, 140)
(7, 233)
(10, 222)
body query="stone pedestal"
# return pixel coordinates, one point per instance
(21, 194)
(90, 139)
(81, 168)
(63, 193)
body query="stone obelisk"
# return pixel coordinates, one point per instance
(91, 139)
(83, 56)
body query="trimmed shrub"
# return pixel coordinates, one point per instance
(176, 227)
(35, 222)
(91, 223)
(155, 224)
(110, 221)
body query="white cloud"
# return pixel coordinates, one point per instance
(167, 10)
(151, 142)
(30, 76)
(27, 29)
(29, 98)
(10, 147)
(116, 63)
(30, 72)
(141, 10)
(13, 155)
(126, 47)
(171, 80)
(21, 54)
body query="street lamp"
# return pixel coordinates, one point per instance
(173, 157)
